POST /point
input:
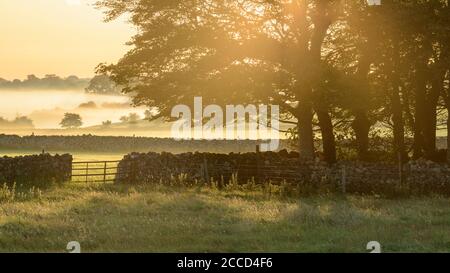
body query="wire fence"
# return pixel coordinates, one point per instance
(295, 173)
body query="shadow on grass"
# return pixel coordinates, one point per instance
(131, 219)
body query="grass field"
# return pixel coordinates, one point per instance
(112, 218)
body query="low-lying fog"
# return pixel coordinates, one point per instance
(47, 108)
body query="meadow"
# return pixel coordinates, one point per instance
(118, 218)
(154, 218)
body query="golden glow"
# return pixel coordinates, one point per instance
(64, 37)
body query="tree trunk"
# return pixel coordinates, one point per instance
(446, 96)
(361, 126)
(430, 125)
(396, 104)
(448, 133)
(310, 70)
(420, 109)
(399, 130)
(328, 138)
(305, 132)
(361, 123)
(430, 131)
(418, 145)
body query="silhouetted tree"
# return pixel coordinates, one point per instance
(132, 118)
(71, 121)
(107, 123)
(18, 122)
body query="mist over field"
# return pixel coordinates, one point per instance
(39, 111)
(46, 108)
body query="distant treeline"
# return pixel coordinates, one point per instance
(100, 84)
(89, 143)
(48, 82)
(19, 122)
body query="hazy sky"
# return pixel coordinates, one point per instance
(64, 37)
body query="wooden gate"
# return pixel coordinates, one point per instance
(94, 171)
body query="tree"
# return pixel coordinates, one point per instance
(124, 119)
(132, 118)
(18, 122)
(415, 61)
(330, 65)
(230, 51)
(107, 123)
(71, 121)
(23, 122)
(400, 49)
(102, 84)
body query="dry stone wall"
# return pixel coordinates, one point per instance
(418, 177)
(35, 170)
(123, 144)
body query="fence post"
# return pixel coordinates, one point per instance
(344, 180)
(71, 171)
(258, 154)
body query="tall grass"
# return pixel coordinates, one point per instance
(14, 193)
(159, 218)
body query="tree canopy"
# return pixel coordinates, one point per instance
(71, 121)
(102, 84)
(334, 67)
